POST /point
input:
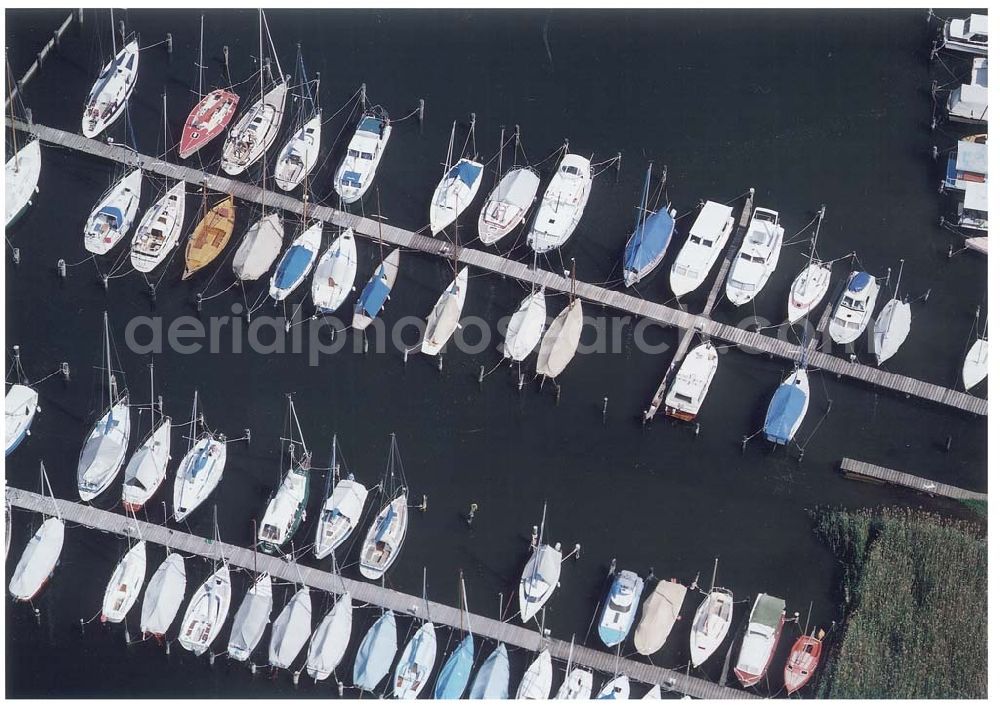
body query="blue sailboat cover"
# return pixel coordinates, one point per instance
(374, 295)
(292, 266)
(466, 171)
(369, 124)
(859, 282)
(785, 408)
(455, 674)
(649, 241)
(351, 179)
(114, 215)
(493, 679)
(376, 653)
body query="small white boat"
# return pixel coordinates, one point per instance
(38, 561)
(163, 596)
(616, 689)
(125, 584)
(291, 630)
(206, 612)
(808, 290)
(251, 619)
(416, 663)
(976, 364)
(578, 683)
(20, 406)
(385, 538)
(788, 407)
(357, 170)
(298, 157)
(660, 612)
(508, 204)
(443, 319)
(970, 102)
(620, 608)
(255, 131)
(341, 512)
(110, 93)
(259, 248)
(560, 340)
(760, 641)
(286, 509)
(21, 180)
(198, 474)
(147, 467)
(375, 654)
(892, 325)
(540, 576)
(334, 276)
(526, 327)
(376, 292)
(757, 257)
(690, 386)
(711, 623)
(492, 681)
(297, 262)
(536, 683)
(159, 230)
(329, 641)
(562, 205)
(969, 35)
(854, 310)
(705, 242)
(455, 191)
(114, 214)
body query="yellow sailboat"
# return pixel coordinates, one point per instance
(209, 237)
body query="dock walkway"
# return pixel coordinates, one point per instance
(751, 342)
(364, 592)
(863, 471)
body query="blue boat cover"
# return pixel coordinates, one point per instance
(455, 674)
(649, 242)
(352, 179)
(859, 282)
(785, 408)
(292, 266)
(374, 295)
(370, 125)
(467, 171)
(113, 213)
(386, 523)
(375, 655)
(493, 679)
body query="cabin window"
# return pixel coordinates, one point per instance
(571, 170)
(695, 239)
(978, 38)
(354, 153)
(706, 242)
(685, 398)
(367, 156)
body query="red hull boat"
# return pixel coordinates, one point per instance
(209, 118)
(802, 661)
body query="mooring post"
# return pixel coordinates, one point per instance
(81, 618)
(340, 689)
(482, 374)
(64, 369)
(558, 392)
(16, 254)
(743, 444)
(618, 167)
(604, 412)
(947, 444)
(364, 94)
(520, 381)
(121, 29)
(152, 294)
(420, 115)
(423, 504)
(534, 535)
(295, 677)
(61, 268)
(104, 281)
(225, 57)
(576, 552)
(246, 433)
(166, 647)
(170, 44)
(440, 362)
(406, 353)
(197, 301)
(472, 513)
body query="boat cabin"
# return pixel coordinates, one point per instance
(969, 103)
(967, 164)
(969, 35)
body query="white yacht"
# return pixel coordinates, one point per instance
(298, 157)
(507, 205)
(110, 93)
(125, 584)
(444, 318)
(159, 231)
(757, 257)
(705, 242)
(562, 205)
(454, 193)
(333, 279)
(259, 248)
(854, 309)
(255, 131)
(526, 327)
(251, 619)
(112, 218)
(690, 386)
(341, 512)
(206, 612)
(21, 180)
(357, 170)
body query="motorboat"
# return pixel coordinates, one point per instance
(705, 242)
(757, 257)
(620, 607)
(760, 640)
(690, 386)
(364, 153)
(562, 204)
(660, 612)
(788, 407)
(854, 309)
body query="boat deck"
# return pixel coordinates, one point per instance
(364, 592)
(659, 313)
(863, 471)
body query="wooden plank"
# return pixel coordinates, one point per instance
(870, 472)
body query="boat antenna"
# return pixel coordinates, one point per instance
(45, 482)
(201, 48)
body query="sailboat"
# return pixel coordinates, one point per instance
(507, 205)
(854, 309)
(125, 584)
(374, 658)
(690, 386)
(620, 608)
(456, 671)
(21, 178)
(788, 407)
(210, 115)
(251, 619)
(364, 153)
(457, 188)
(617, 688)
(976, 364)
(201, 468)
(147, 468)
(259, 248)
(444, 318)
(114, 214)
(540, 576)
(536, 683)
(41, 554)
(258, 127)
(297, 262)
(375, 293)
(334, 276)
(660, 612)
(416, 662)
(492, 681)
(578, 683)
(810, 286)
(760, 640)
(649, 240)
(163, 596)
(757, 258)
(206, 612)
(104, 448)
(804, 657)
(298, 157)
(159, 231)
(711, 622)
(110, 93)
(561, 339)
(388, 531)
(526, 326)
(562, 204)
(329, 642)
(705, 242)
(892, 325)
(291, 630)
(286, 508)
(341, 510)
(20, 406)
(210, 237)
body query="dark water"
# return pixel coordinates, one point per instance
(807, 107)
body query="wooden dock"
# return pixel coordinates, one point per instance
(751, 342)
(863, 471)
(364, 592)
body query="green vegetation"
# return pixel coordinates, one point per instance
(915, 606)
(977, 507)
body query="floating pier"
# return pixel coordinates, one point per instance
(863, 471)
(366, 593)
(752, 342)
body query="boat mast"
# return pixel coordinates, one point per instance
(194, 420)
(899, 277)
(503, 130)
(569, 660)
(13, 133)
(427, 604)
(640, 217)
(451, 146)
(201, 49)
(812, 247)
(152, 401)
(714, 571)
(107, 349)
(295, 418)
(465, 604)
(46, 482)
(114, 44)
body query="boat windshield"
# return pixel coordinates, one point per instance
(854, 304)
(620, 608)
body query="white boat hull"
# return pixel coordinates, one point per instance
(560, 341)
(291, 630)
(206, 613)
(525, 329)
(808, 290)
(110, 93)
(20, 406)
(562, 204)
(298, 157)
(125, 584)
(103, 451)
(199, 473)
(101, 233)
(976, 364)
(536, 684)
(309, 241)
(329, 642)
(21, 180)
(255, 131)
(444, 318)
(163, 596)
(147, 468)
(159, 231)
(251, 619)
(891, 329)
(259, 248)
(38, 561)
(333, 279)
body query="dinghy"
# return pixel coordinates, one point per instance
(416, 663)
(159, 230)
(578, 683)
(562, 205)
(364, 152)
(616, 689)
(286, 508)
(711, 622)
(114, 214)
(298, 157)
(757, 257)
(526, 326)
(125, 584)
(760, 640)
(976, 364)
(649, 240)
(385, 537)
(163, 597)
(540, 575)
(21, 180)
(291, 630)
(854, 309)
(104, 448)
(329, 642)
(374, 658)
(620, 608)
(334, 276)
(492, 681)
(210, 116)
(259, 248)
(456, 190)
(892, 325)
(803, 661)
(206, 613)
(508, 204)
(297, 262)
(210, 237)
(110, 93)
(660, 612)
(810, 286)
(251, 619)
(444, 318)
(560, 340)
(705, 242)
(147, 468)
(341, 512)
(255, 131)
(20, 405)
(788, 407)
(376, 292)
(200, 470)
(38, 561)
(690, 386)
(536, 683)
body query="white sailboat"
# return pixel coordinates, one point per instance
(892, 325)
(259, 248)
(810, 286)
(444, 318)
(660, 612)
(147, 468)
(456, 190)
(159, 231)
(364, 153)
(507, 205)
(163, 596)
(976, 364)
(526, 327)
(251, 619)
(578, 683)
(617, 688)
(690, 386)
(560, 341)
(711, 622)
(536, 683)
(416, 663)
(114, 214)
(854, 309)
(386, 535)
(104, 448)
(562, 204)
(334, 276)
(329, 641)
(206, 612)
(286, 509)
(540, 576)
(201, 468)
(110, 93)
(341, 510)
(298, 157)
(20, 407)
(291, 630)
(757, 257)
(21, 180)
(297, 262)
(705, 242)
(125, 584)
(41, 554)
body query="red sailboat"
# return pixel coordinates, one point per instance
(804, 658)
(210, 117)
